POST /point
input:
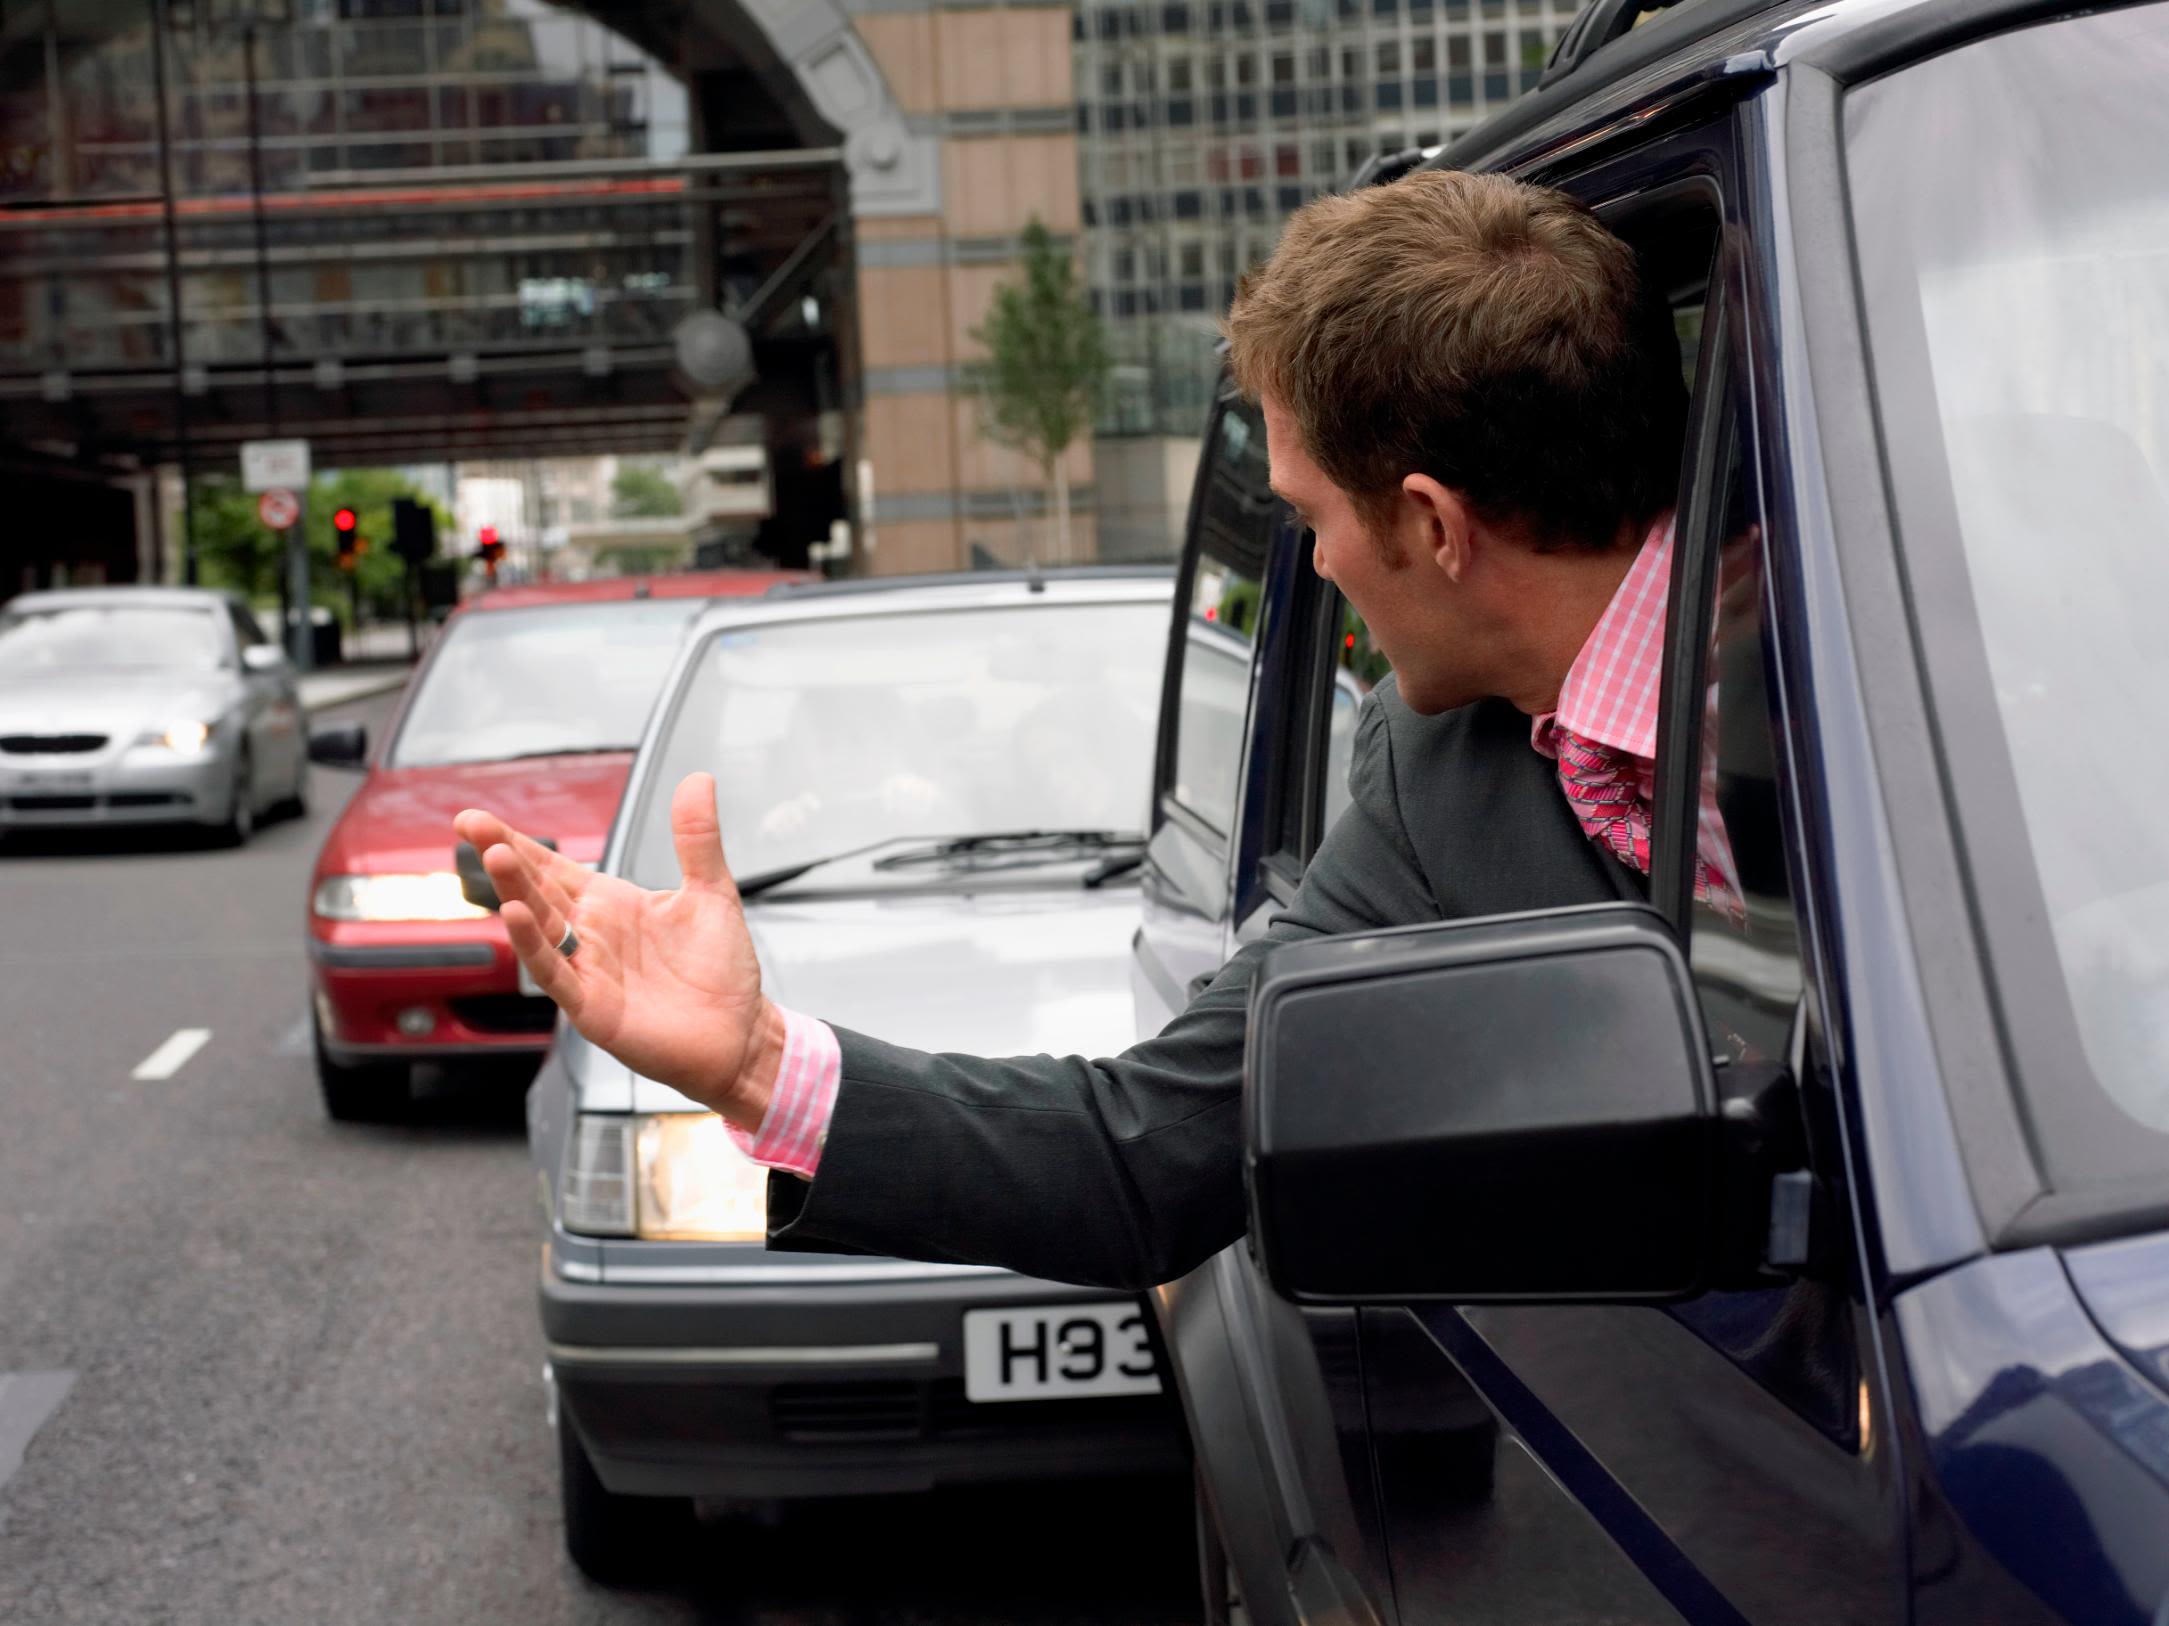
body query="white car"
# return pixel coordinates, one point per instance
(145, 705)
(933, 794)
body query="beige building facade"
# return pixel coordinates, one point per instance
(985, 93)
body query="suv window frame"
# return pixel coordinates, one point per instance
(1167, 807)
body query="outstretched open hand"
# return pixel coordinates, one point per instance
(667, 982)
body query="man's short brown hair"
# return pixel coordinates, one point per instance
(1490, 334)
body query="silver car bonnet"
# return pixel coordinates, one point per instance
(118, 704)
(992, 974)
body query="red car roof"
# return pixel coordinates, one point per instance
(677, 584)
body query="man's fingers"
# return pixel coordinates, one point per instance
(698, 838)
(515, 877)
(484, 830)
(552, 972)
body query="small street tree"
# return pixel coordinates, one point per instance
(1046, 359)
(643, 491)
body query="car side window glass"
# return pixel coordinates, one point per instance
(1358, 665)
(1221, 625)
(245, 629)
(1744, 934)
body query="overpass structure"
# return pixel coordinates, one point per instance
(420, 233)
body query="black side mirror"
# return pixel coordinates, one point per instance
(339, 745)
(1504, 1110)
(475, 884)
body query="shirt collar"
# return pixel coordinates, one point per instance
(1610, 694)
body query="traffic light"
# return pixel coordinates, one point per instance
(414, 530)
(348, 541)
(491, 549)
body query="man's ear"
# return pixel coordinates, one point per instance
(1448, 528)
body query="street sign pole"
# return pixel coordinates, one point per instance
(297, 585)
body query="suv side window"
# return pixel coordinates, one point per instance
(1357, 666)
(1220, 626)
(1745, 943)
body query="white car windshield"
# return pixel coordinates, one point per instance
(553, 680)
(829, 736)
(92, 637)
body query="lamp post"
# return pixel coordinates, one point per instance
(223, 19)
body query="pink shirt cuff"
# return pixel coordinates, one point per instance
(796, 1125)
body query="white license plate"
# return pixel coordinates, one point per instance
(33, 780)
(1058, 1352)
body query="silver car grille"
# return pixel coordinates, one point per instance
(50, 745)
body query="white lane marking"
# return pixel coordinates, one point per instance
(170, 1057)
(27, 1400)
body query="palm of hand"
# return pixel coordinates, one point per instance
(667, 981)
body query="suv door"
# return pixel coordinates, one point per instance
(1273, 1394)
(1727, 1458)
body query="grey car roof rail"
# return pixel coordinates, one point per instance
(971, 578)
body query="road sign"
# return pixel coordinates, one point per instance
(278, 508)
(268, 465)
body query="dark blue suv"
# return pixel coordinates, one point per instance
(1805, 1263)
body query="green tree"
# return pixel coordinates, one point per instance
(237, 553)
(1046, 360)
(643, 491)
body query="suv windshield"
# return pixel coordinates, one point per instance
(2013, 234)
(89, 637)
(828, 737)
(552, 680)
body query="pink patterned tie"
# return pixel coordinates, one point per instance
(1610, 793)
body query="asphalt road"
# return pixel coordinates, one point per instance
(276, 1370)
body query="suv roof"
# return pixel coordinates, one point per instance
(204, 597)
(1693, 43)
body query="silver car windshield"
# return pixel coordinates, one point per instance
(2013, 231)
(554, 680)
(829, 736)
(102, 637)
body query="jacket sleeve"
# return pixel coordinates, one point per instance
(1123, 1172)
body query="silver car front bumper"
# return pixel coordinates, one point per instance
(144, 785)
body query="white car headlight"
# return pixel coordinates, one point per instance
(435, 896)
(187, 738)
(666, 1176)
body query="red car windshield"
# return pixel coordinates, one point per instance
(552, 681)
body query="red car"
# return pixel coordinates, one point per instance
(530, 703)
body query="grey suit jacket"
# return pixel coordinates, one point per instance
(1127, 1171)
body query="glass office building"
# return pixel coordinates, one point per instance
(1204, 125)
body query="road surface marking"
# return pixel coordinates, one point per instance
(27, 1399)
(170, 1057)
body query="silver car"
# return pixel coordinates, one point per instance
(145, 705)
(933, 795)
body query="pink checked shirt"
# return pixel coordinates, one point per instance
(1603, 736)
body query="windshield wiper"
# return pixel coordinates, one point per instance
(752, 886)
(1007, 848)
(1014, 847)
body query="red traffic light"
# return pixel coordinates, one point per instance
(487, 536)
(343, 522)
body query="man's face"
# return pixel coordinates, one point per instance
(1417, 614)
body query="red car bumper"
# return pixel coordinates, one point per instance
(412, 991)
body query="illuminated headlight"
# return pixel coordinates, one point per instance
(668, 1176)
(393, 897)
(185, 738)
